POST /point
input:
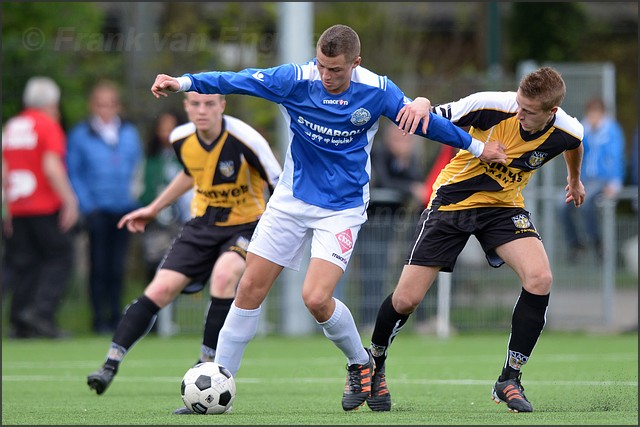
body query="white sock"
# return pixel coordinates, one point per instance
(342, 330)
(239, 328)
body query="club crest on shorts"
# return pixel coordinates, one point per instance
(536, 159)
(242, 243)
(521, 221)
(345, 239)
(227, 168)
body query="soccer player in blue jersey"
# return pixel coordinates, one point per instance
(331, 105)
(486, 200)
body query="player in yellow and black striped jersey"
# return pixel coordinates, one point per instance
(466, 182)
(229, 175)
(471, 197)
(230, 167)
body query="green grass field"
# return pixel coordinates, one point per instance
(571, 379)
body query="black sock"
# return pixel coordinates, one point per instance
(215, 319)
(136, 322)
(527, 322)
(388, 324)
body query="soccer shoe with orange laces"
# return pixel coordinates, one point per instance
(358, 386)
(511, 392)
(380, 399)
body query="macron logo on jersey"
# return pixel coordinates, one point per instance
(340, 102)
(258, 76)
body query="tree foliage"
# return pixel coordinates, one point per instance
(425, 47)
(546, 32)
(61, 40)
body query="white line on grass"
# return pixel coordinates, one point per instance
(139, 379)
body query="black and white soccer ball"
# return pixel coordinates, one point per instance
(208, 388)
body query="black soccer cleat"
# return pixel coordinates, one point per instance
(100, 379)
(511, 392)
(380, 399)
(358, 385)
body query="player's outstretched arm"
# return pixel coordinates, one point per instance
(409, 117)
(137, 220)
(164, 84)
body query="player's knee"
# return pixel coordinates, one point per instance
(222, 290)
(223, 284)
(405, 303)
(315, 302)
(162, 293)
(540, 283)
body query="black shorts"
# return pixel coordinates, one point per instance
(199, 244)
(440, 236)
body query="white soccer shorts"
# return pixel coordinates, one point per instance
(288, 223)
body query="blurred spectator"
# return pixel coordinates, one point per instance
(633, 167)
(602, 174)
(445, 154)
(396, 195)
(104, 157)
(42, 208)
(160, 167)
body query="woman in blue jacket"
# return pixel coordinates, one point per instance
(104, 155)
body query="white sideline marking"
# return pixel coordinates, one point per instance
(489, 382)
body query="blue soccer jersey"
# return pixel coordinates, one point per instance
(327, 162)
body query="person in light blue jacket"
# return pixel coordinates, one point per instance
(602, 173)
(104, 156)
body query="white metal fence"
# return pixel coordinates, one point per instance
(594, 293)
(590, 294)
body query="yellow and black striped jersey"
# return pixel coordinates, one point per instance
(229, 173)
(466, 182)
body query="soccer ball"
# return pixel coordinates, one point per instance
(208, 388)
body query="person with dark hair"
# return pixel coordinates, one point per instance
(331, 105)
(486, 200)
(603, 169)
(41, 211)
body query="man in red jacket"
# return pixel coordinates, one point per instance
(42, 208)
